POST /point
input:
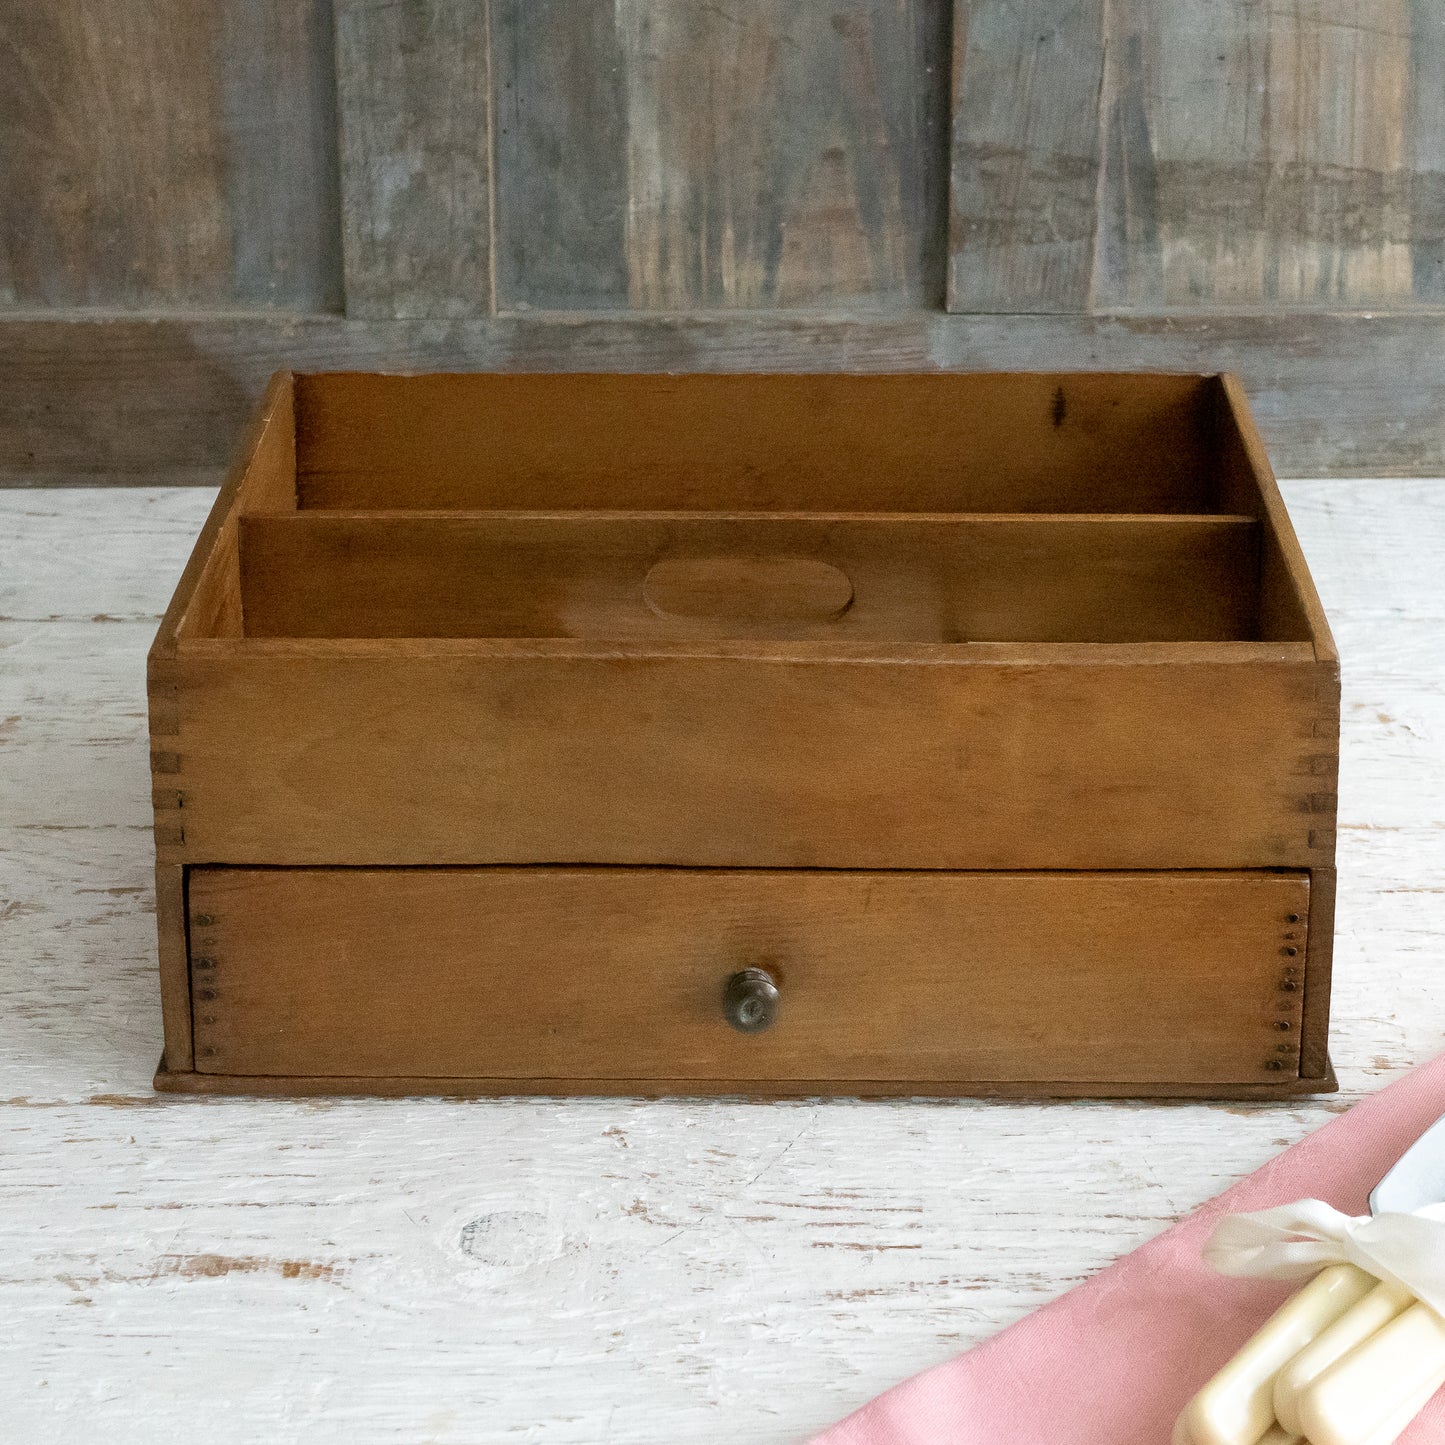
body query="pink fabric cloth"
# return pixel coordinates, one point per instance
(1113, 1361)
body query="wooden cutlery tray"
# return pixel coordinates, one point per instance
(505, 727)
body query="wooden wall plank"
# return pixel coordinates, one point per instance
(1427, 161)
(166, 154)
(278, 94)
(1128, 269)
(783, 153)
(102, 205)
(561, 151)
(415, 109)
(765, 166)
(1025, 155)
(1198, 155)
(1261, 154)
(107, 401)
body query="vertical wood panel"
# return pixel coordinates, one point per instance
(763, 166)
(1339, 194)
(777, 153)
(1260, 153)
(1427, 134)
(112, 164)
(1198, 155)
(279, 107)
(1128, 264)
(561, 113)
(166, 153)
(413, 82)
(1025, 156)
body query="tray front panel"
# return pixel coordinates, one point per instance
(369, 753)
(591, 974)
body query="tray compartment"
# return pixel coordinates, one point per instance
(537, 974)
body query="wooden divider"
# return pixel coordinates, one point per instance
(858, 577)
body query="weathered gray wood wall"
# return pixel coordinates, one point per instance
(1199, 155)
(168, 155)
(195, 191)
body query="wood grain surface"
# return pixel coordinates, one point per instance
(1282, 1089)
(1197, 156)
(780, 153)
(1025, 155)
(872, 576)
(785, 754)
(1267, 155)
(979, 443)
(569, 184)
(597, 973)
(127, 401)
(416, 157)
(533, 154)
(142, 156)
(754, 588)
(389, 1271)
(1289, 601)
(560, 113)
(814, 755)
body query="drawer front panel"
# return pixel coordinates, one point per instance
(620, 973)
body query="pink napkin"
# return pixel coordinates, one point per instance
(1113, 1361)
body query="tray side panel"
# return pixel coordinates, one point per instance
(1319, 969)
(262, 479)
(174, 958)
(206, 602)
(1290, 607)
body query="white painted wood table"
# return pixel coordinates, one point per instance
(176, 1269)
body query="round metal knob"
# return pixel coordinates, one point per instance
(751, 1000)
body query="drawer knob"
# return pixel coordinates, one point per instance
(751, 1000)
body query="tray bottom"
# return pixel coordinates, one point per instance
(276, 1086)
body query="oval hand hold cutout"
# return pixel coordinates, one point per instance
(752, 589)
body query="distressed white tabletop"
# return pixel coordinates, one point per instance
(555, 1271)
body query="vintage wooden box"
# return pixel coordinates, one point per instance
(937, 734)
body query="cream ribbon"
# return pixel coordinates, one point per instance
(1292, 1241)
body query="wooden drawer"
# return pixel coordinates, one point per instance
(614, 978)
